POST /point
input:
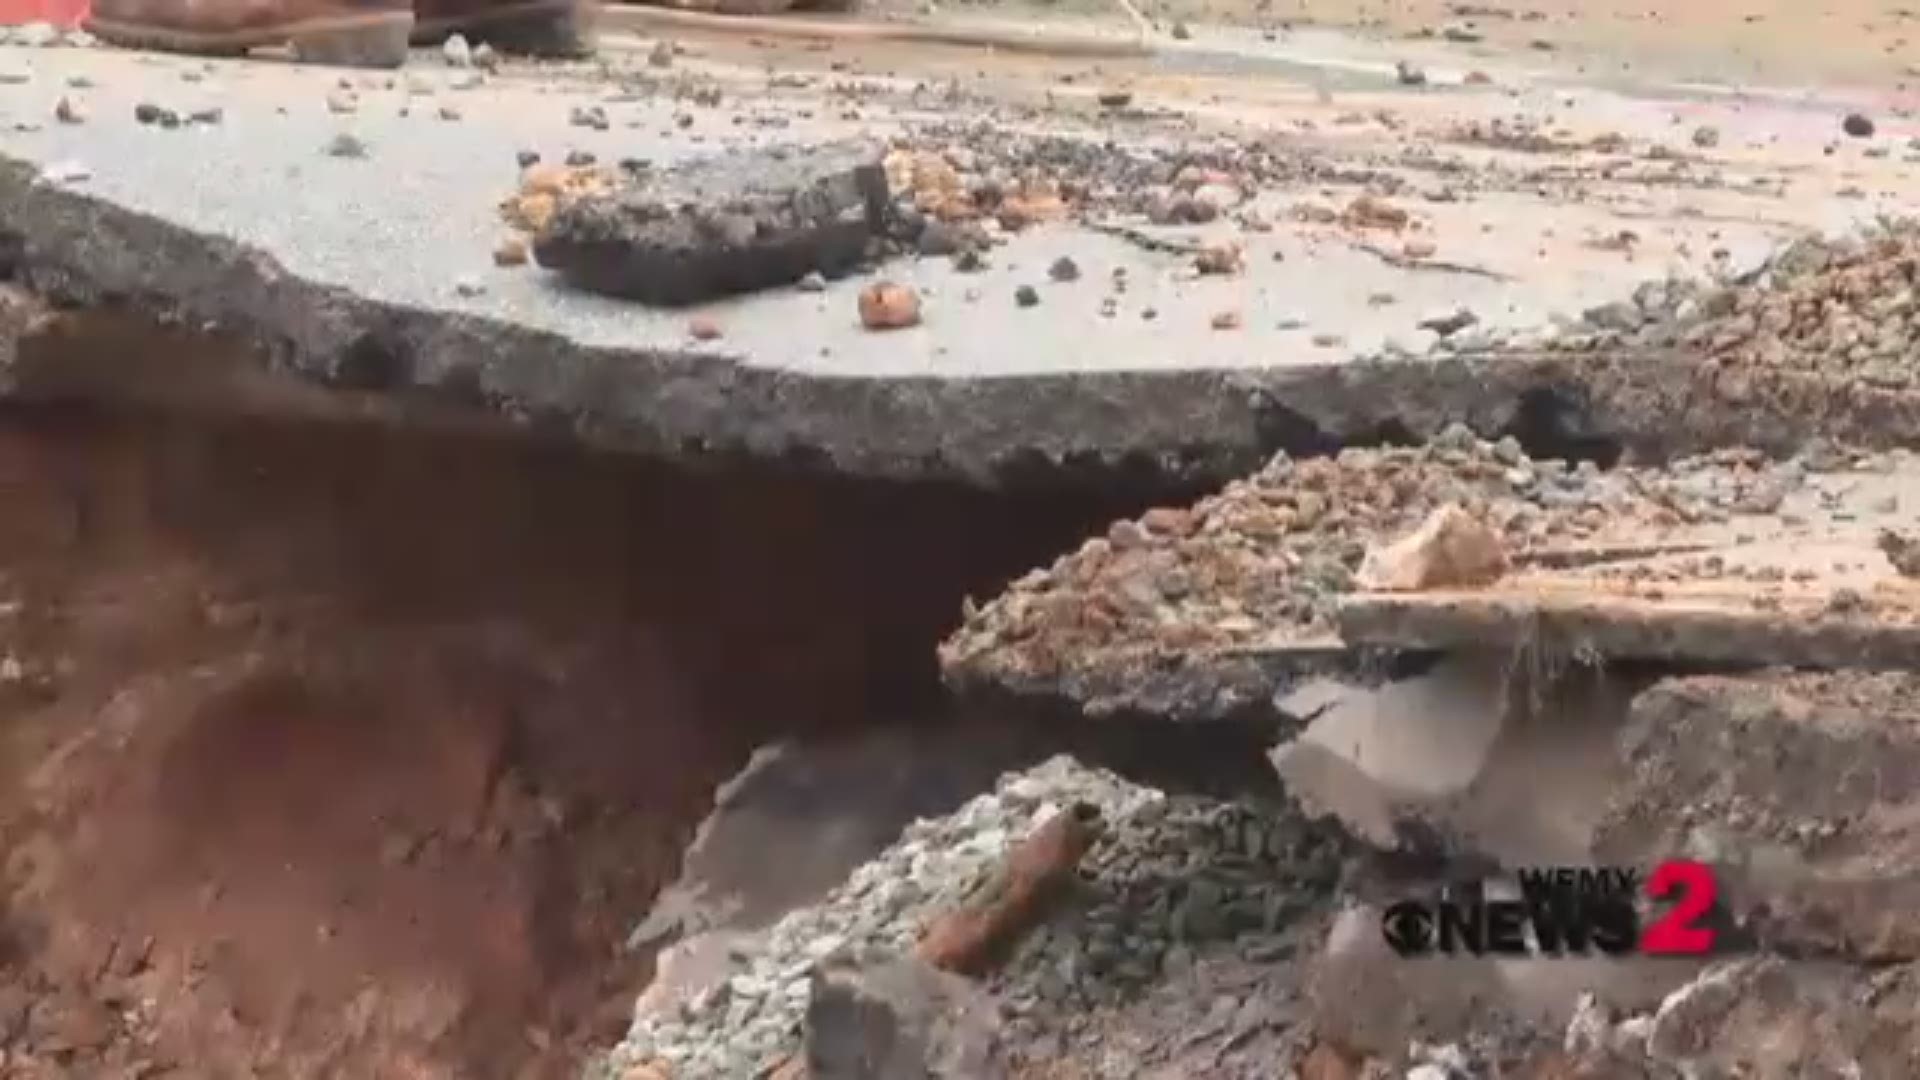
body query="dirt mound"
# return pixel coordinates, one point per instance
(337, 849)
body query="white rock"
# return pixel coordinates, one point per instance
(457, 52)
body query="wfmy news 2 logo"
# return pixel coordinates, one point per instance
(1569, 911)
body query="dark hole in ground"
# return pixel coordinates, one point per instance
(1554, 423)
(381, 741)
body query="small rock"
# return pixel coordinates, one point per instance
(1115, 99)
(1706, 136)
(1064, 269)
(527, 158)
(1858, 125)
(147, 112)
(813, 282)
(1452, 548)
(1449, 323)
(13, 76)
(898, 1017)
(1462, 34)
(485, 58)
(970, 261)
(1026, 296)
(937, 238)
(1478, 78)
(469, 286)
(345, 145)
(1224, 257)
(80, 82)
(211, 116)
(449, 112)
(589, 116)
(1419, 249)
(885, 305)
(1374, 212)
(1226, 320)
(661, 55)
(457, 52)
(1182, 32)
(580, 159)
(1901, 550)
(339, 102)
(703, 328)
(68, 111)
(511, 252)
(1409, 74)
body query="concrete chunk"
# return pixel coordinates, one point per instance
(896, 1019)
(1800, 788)
(723, 225)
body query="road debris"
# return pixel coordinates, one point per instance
(970, 939)
(1451, 548)
(885, 305)
(720, 226)
(1263, 565)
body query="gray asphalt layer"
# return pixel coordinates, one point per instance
(250, 224)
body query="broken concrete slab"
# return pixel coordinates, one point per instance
(1260, 573)
(1562, 619)
(379, 278)
(1806, 576)
(1813, 837)
(728, 224)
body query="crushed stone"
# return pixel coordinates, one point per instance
(1264, 563)
(1176, 881)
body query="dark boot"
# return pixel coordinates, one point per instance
(358, 33)
(546, 28)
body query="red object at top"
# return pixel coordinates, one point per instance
(61, 13)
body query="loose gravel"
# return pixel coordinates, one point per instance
(1173, 880)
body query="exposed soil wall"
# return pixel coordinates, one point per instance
(336, 750)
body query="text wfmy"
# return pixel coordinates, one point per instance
(1567, 911)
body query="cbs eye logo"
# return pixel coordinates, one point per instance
(1408, 928)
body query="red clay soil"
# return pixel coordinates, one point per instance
(255, 828)
(326, 752)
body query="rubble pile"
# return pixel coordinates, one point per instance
(1828, 307)
(954, 173)
(1174, 881)
(1263, 564)
(1813, 837)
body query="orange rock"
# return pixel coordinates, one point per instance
(703, 328)
(887, 306)
(970, 938)
(543, 186)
